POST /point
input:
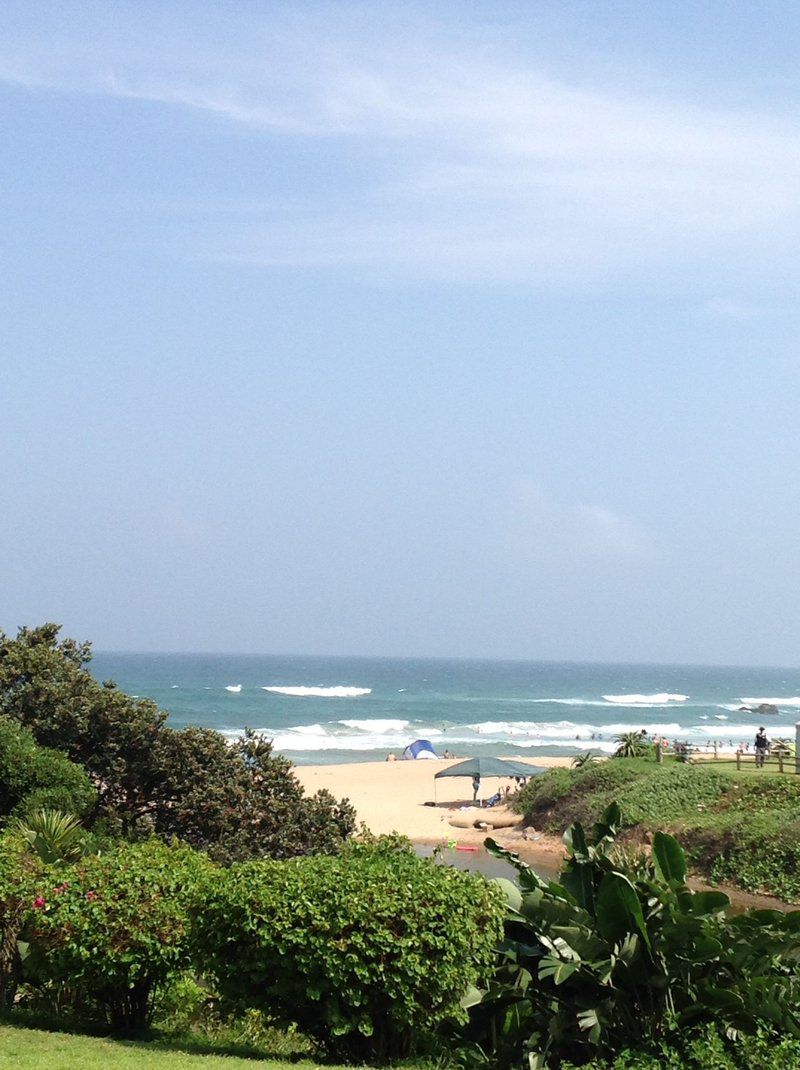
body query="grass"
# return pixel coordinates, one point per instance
(35, 1049)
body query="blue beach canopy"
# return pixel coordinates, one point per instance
(420, 748)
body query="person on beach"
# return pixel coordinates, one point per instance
(476, 787)
(761, 746)
(447, 754)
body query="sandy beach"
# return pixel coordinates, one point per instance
(391, 797)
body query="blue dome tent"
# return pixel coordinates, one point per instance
(420, 748)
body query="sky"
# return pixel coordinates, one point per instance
(458, 330)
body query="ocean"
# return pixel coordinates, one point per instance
(325, 709)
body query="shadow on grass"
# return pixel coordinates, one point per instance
(286, 1049)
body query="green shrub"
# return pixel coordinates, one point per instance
(360, 950)
(34, 777)
(708, 1049)
(672, 793)
(561, 796)
(736, 827)
(607, 958)
(113, 928)
(19, 870)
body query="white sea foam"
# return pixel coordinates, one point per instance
(793, 701)
(320, 692)
(659, 699)
(380, 735)
(376, 725)
(234, 688)
(721, 716)
(606, 746)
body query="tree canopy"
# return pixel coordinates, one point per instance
(236, 801)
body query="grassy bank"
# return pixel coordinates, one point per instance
(742, 827)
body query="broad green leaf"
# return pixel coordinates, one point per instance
(510, 890)
(722, 998)
(578, 879)
(557, 970)
(619, 911)
(708, 902)
(575, 841)
(670, 861)
(472, 997)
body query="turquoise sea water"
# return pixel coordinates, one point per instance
(359, 709)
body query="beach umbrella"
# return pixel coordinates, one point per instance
(489, 767)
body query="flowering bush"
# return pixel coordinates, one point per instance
(114, 927)
(19, 873)
(360, 950)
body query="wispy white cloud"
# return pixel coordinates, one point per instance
(473, 161)
(543, 527)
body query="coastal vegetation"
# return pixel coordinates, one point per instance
(128, 774)
(741, 827)
(165, 887)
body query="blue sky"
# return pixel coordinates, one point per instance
(459, 329)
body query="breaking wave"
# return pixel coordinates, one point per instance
(376, 725)
(794, 701)
(661, 698)
(320, 692)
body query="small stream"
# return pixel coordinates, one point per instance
(480, 861)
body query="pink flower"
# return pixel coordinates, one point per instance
(91, 896)
(39, 903)
(60, 888)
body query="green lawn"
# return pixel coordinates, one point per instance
(33, 1049)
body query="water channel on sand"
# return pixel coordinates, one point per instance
(480, 861)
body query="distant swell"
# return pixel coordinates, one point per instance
(320, 692)
(659, 699)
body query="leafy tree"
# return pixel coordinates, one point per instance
(32, 776)
(239, 801)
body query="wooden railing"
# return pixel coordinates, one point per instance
(778, 759)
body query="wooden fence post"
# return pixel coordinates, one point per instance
(738, 759)
(780, 761)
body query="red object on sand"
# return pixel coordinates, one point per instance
(462, 847)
